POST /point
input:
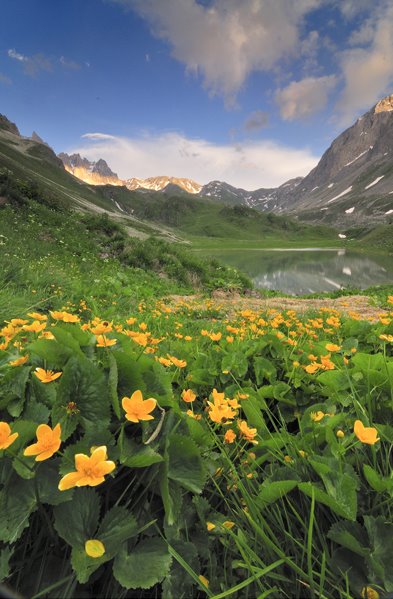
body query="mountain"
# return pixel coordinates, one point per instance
(263, 199)
(160, 183)
(99, 173)
(351, 185)
(94, 173)
(6, 125)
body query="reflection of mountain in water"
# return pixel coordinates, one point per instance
(300, 272)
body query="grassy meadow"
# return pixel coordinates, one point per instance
(153, 445)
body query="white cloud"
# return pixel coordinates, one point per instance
(368, 72)
(301, 99)
(251, 165)
(226, 40)
(256, 120)
(31, 64)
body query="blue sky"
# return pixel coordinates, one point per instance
(247, 91)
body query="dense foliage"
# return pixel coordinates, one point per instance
(187, 451)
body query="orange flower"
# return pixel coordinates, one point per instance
(6, 438)
(90, 470)
(248, 433)
(137, 408)
(103, 341)
(215, 336)
(37, 316)
(332, 347)
(188, 395)
(365, 434)
(35, 327)
(101, 328)
(229, 436)
(178, 363)
(46, 376)
(48, 442)
(65, 316)
(191, 414)
(388, 338)
(311, 368)
(19, 361)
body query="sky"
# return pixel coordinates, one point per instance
(251, 92)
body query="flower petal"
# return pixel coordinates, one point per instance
(69, 480)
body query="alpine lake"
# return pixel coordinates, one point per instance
(308, 270)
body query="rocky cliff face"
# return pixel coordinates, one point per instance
(7, 125)
(95, 173)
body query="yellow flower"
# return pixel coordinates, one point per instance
(340, 434)
(191, 414)
(388, 338)
(317, 416)
(311, 368)
(332, 347)
(369, 593)
(65, 316)
(178, 363)
(288, 459)
(137, 408)
(48, 442)
(228, 524)
(164, 361)
(365, 434)
(37, 316)
(210, 526)
(248, 433)
(19, 361)
(215, 336)
(188, 395)
(203, 580)
(229, 436)
(101, 328)
(35, 327)
(46, 376)
(90, 470)
(6, 438)
(103, 341)
(94, 548)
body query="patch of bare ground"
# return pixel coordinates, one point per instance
(354, 306)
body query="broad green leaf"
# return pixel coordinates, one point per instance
(17, 502)
(66, 340)
(265, 370)
(322, 497)
(54, 353)
(117, 526)
(271, 491)
(83, 385)
(380, 533)
(350, 535)
(185, 464)
(5, 556)
(252, 408)
(177, 583)
(13, 385)
(147, 564)
(236, 363)
(135, 455)
(376, 482)
(76, 521)
(84, 565)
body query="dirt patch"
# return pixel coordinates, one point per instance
(356, 306)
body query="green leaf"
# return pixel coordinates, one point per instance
(350, 535)
(145, 566)
(84, 565)
(135, 455)
(117, 526)
(82, 384)
(177, 584)
(252, 408)
(376, 482)
(264, 370)
(380, 533)
(50, 350)
(5, 556)
(76, 521)
(271, 491)
(321, 496)
(185, 464)
(236, 363)
(47, 484)
(17, 502)
(13, 385)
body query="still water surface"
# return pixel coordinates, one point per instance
(309, 270)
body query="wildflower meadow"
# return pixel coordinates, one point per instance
(187, 450)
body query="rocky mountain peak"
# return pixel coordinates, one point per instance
(384, 105)
(7, 125)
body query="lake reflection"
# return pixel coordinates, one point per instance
(309, 270)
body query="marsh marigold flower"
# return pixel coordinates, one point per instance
(103, 341)
(90, 470)
(19, 361)
(188, 395)
(46, 376)
(94, 548)
(317, 416)
(48, 442)
(247, 433)
(137, 408)
(178, 363)
(332, 347)
(6, 437)
(365, 434)
(229, 436)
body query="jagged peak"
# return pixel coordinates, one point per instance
(384, 105)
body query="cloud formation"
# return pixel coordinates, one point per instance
(301, 99)
(226, 40)
(368, 71)
(251, 165)
(32, 65)
(256, 121)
